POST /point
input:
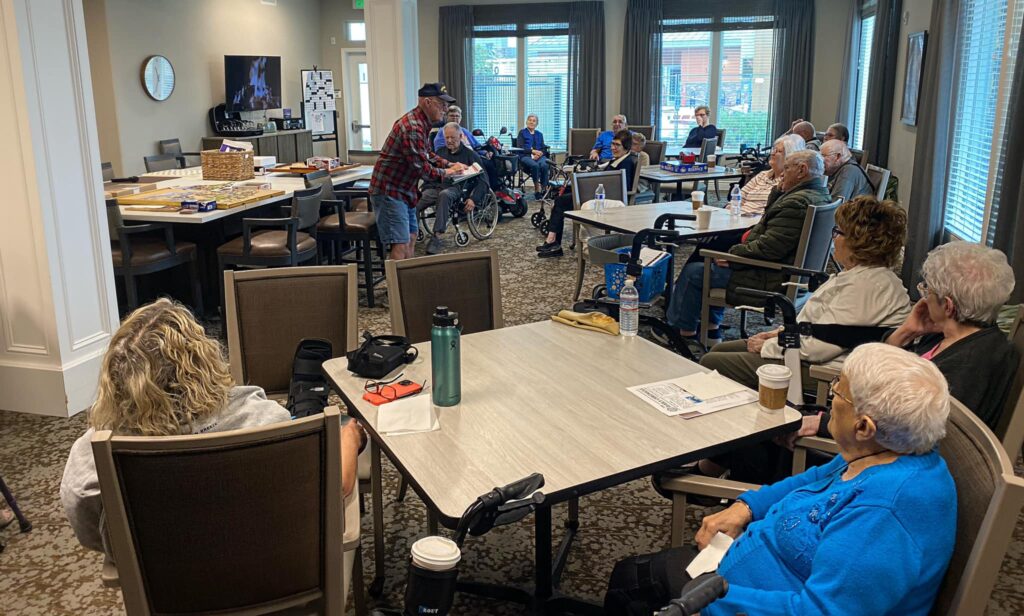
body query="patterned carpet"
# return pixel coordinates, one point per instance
(46, 572)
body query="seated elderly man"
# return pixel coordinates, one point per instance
(443, 198)
(603, 146)
(838, 131)
(774, 238)
(806, 130)
(870, 532)
(846, 178)
(469, 141)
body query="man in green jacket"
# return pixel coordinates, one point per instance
(774, 238)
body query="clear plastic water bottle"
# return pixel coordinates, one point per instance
(599, 199)
(629, 309)
(734, 201)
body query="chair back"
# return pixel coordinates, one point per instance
(656, 150)
(306, 207)
(1010, 427)
(708, 148)
(107, 169)
(816, 237)
(646, 131)
(721, 136)
(879, 177)
(192, 529)
(584, 185)
(861, 156)
(162, 162)
(321, 179)
(989, 497)
(466, 282)
(115, 222)
(270, 310)
(363, 157)
(170, 146)
(581, 140)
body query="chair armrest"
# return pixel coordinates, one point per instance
(335, 205)
(291, 225)
(715, 254)
(146, 228)
(823, 373)
(714, 487)
(151, 227)
(817, 443)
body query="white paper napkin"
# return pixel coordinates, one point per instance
(407, 416)
(710, 556)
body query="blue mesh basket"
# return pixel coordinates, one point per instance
(649, 285)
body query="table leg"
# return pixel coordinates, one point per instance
(657, 190)
(543, 587)
(572, 525)
(580, 263)
(377, 498)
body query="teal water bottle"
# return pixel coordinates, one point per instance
(445, 360)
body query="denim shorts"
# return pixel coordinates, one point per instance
(396, 221)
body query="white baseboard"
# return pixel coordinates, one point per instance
(57, 392)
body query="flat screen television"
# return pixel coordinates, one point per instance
(252, 82)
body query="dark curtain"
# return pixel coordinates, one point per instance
(586, 63)
(882, 86)
(794, 63)
(455, 55)
(641, 63)
(1009, 226)
(926, 205)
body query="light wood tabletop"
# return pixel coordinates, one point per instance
(551, 399)
(189, 177)
(633, 218)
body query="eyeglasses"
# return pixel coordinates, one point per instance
(836, 394)
(836, 232)
(384, 389)
(923, 289)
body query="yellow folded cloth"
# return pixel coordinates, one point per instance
(594, 321)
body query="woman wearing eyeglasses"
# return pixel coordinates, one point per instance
(870, 532)
(954, 324)
(163, 376)
(704, 129)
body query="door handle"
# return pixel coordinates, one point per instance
(356, 126)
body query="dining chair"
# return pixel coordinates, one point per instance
(162, 162)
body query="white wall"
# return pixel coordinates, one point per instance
(334, 15)
(194, 35)
(831, 23)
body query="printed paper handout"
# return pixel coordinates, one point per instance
(694, 395)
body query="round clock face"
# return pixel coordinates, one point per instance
(158, 77)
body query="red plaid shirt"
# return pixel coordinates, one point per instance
(406, 158)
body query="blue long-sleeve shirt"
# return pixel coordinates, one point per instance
(876, 544)
(467, 139)
(698, 134)
(531, 141)
(603, 145)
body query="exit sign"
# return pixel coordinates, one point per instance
(357, 4)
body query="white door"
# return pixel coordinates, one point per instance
(357, 100)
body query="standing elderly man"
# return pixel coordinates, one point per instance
(846, 178)
(806, 130)
(443, 198)
(405, 159)
(603, 146)
(774, 238)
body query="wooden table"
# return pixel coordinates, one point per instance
(658, 176)
(634, 218)
(550, 399)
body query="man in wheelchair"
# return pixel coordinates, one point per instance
(445, 197)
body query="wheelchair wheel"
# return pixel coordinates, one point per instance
(537, 219)
(484, 217)
(519, 209)
(544, 227)
(423, 229)
(461, 238)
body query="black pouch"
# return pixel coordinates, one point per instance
(641, 585)
(308, 390)
(380, 355)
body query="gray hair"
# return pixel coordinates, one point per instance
(532, 115)
(619, 115)
(805, 129)
(905, 395)
(833, 146)
(452, 108)
(840, 129)
(977, 278)
(815, 163)
(791, 144)
(452, 125)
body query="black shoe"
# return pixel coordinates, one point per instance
(546, 246)
(554, 251)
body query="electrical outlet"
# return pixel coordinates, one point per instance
(334, 41)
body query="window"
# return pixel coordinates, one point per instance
(725, 65)
(864, 42)
(357, 30)
(975, 151)
(537, 62)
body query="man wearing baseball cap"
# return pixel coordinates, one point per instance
(405, 159)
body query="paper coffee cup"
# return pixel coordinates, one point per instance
(704, 217)
(712, 160)
(772, 387)
(697, 199)
(435, 553)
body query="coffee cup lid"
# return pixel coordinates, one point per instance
(437, 553)
(707, 208)
(774, 372)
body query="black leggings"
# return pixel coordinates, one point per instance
(556, 223)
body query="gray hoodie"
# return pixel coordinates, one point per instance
(247, 407)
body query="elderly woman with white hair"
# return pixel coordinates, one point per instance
(755, 194)
(963, 287)
(871, 532)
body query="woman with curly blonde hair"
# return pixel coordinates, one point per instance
(162, 376)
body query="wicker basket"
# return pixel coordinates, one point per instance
(232, 166)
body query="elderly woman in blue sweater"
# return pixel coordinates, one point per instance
(872, 531)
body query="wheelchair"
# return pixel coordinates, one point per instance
(481, 221)
(559, 180)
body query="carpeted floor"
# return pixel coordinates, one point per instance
(46, 572)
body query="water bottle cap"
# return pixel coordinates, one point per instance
(629, 282)
(445, 318)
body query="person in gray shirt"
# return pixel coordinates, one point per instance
(846, 178)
